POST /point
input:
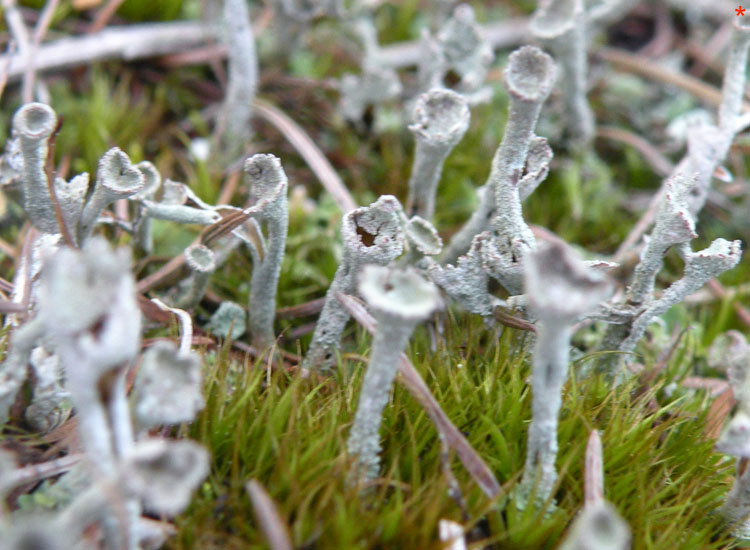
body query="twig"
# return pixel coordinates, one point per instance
(659, 162)
(126, 42)
(312, 307)
(500, 34)
(413, 382)
(309, 151)
(41, 29)
(17, 28)
(37, 472)
(640, 65)
(268, 517)
(153, 280)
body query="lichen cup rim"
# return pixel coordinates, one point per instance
(403, 293)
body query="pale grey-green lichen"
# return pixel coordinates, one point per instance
(560, 289)
(400, 299)
(467, 282)
(167, 388)
(87, 303)
(700, 267)
(164, 473)
(563, 25)
(143, 223)
(228, 321)
(441, 118)
(234, 125)
(528, 78)
(458, 49)
(48, 407)
(202, 263)
(372, 235)
(34, 123)
(597, 527)
(116, 178)
(268, 186)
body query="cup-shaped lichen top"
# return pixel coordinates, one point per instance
(710, 262)
(168, 386)
(559, 286)
(530, 74)
(400, 293)
(598, 527)
(423, 236)
(165, 473)
(553, 18)
(151, 180)
(372, 234)
(266, 177)
(35, 121)
(441, 118)
(200, 258)
(118, 176)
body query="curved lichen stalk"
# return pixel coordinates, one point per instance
(34, 123)
(372, 235)
(268, 186)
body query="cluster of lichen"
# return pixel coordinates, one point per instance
(76, 330)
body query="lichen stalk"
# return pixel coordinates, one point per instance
(364, 440)
(372, 235)
(234, 127)
(528, 78)
(34, 123)
(400, 299)
(562, 24)
(268, 185)
(560, 288)
(549, 371)
(441, 118)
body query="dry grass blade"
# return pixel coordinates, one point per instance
(640, 65)
(161, 274)
(312, 307)
(505, 318)
(593, 480)
(413, 382)
(229, 222)
(49, 169)
(309, 151)
(43, 470)
(268, 516)
(718, 413)
(660, 163)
